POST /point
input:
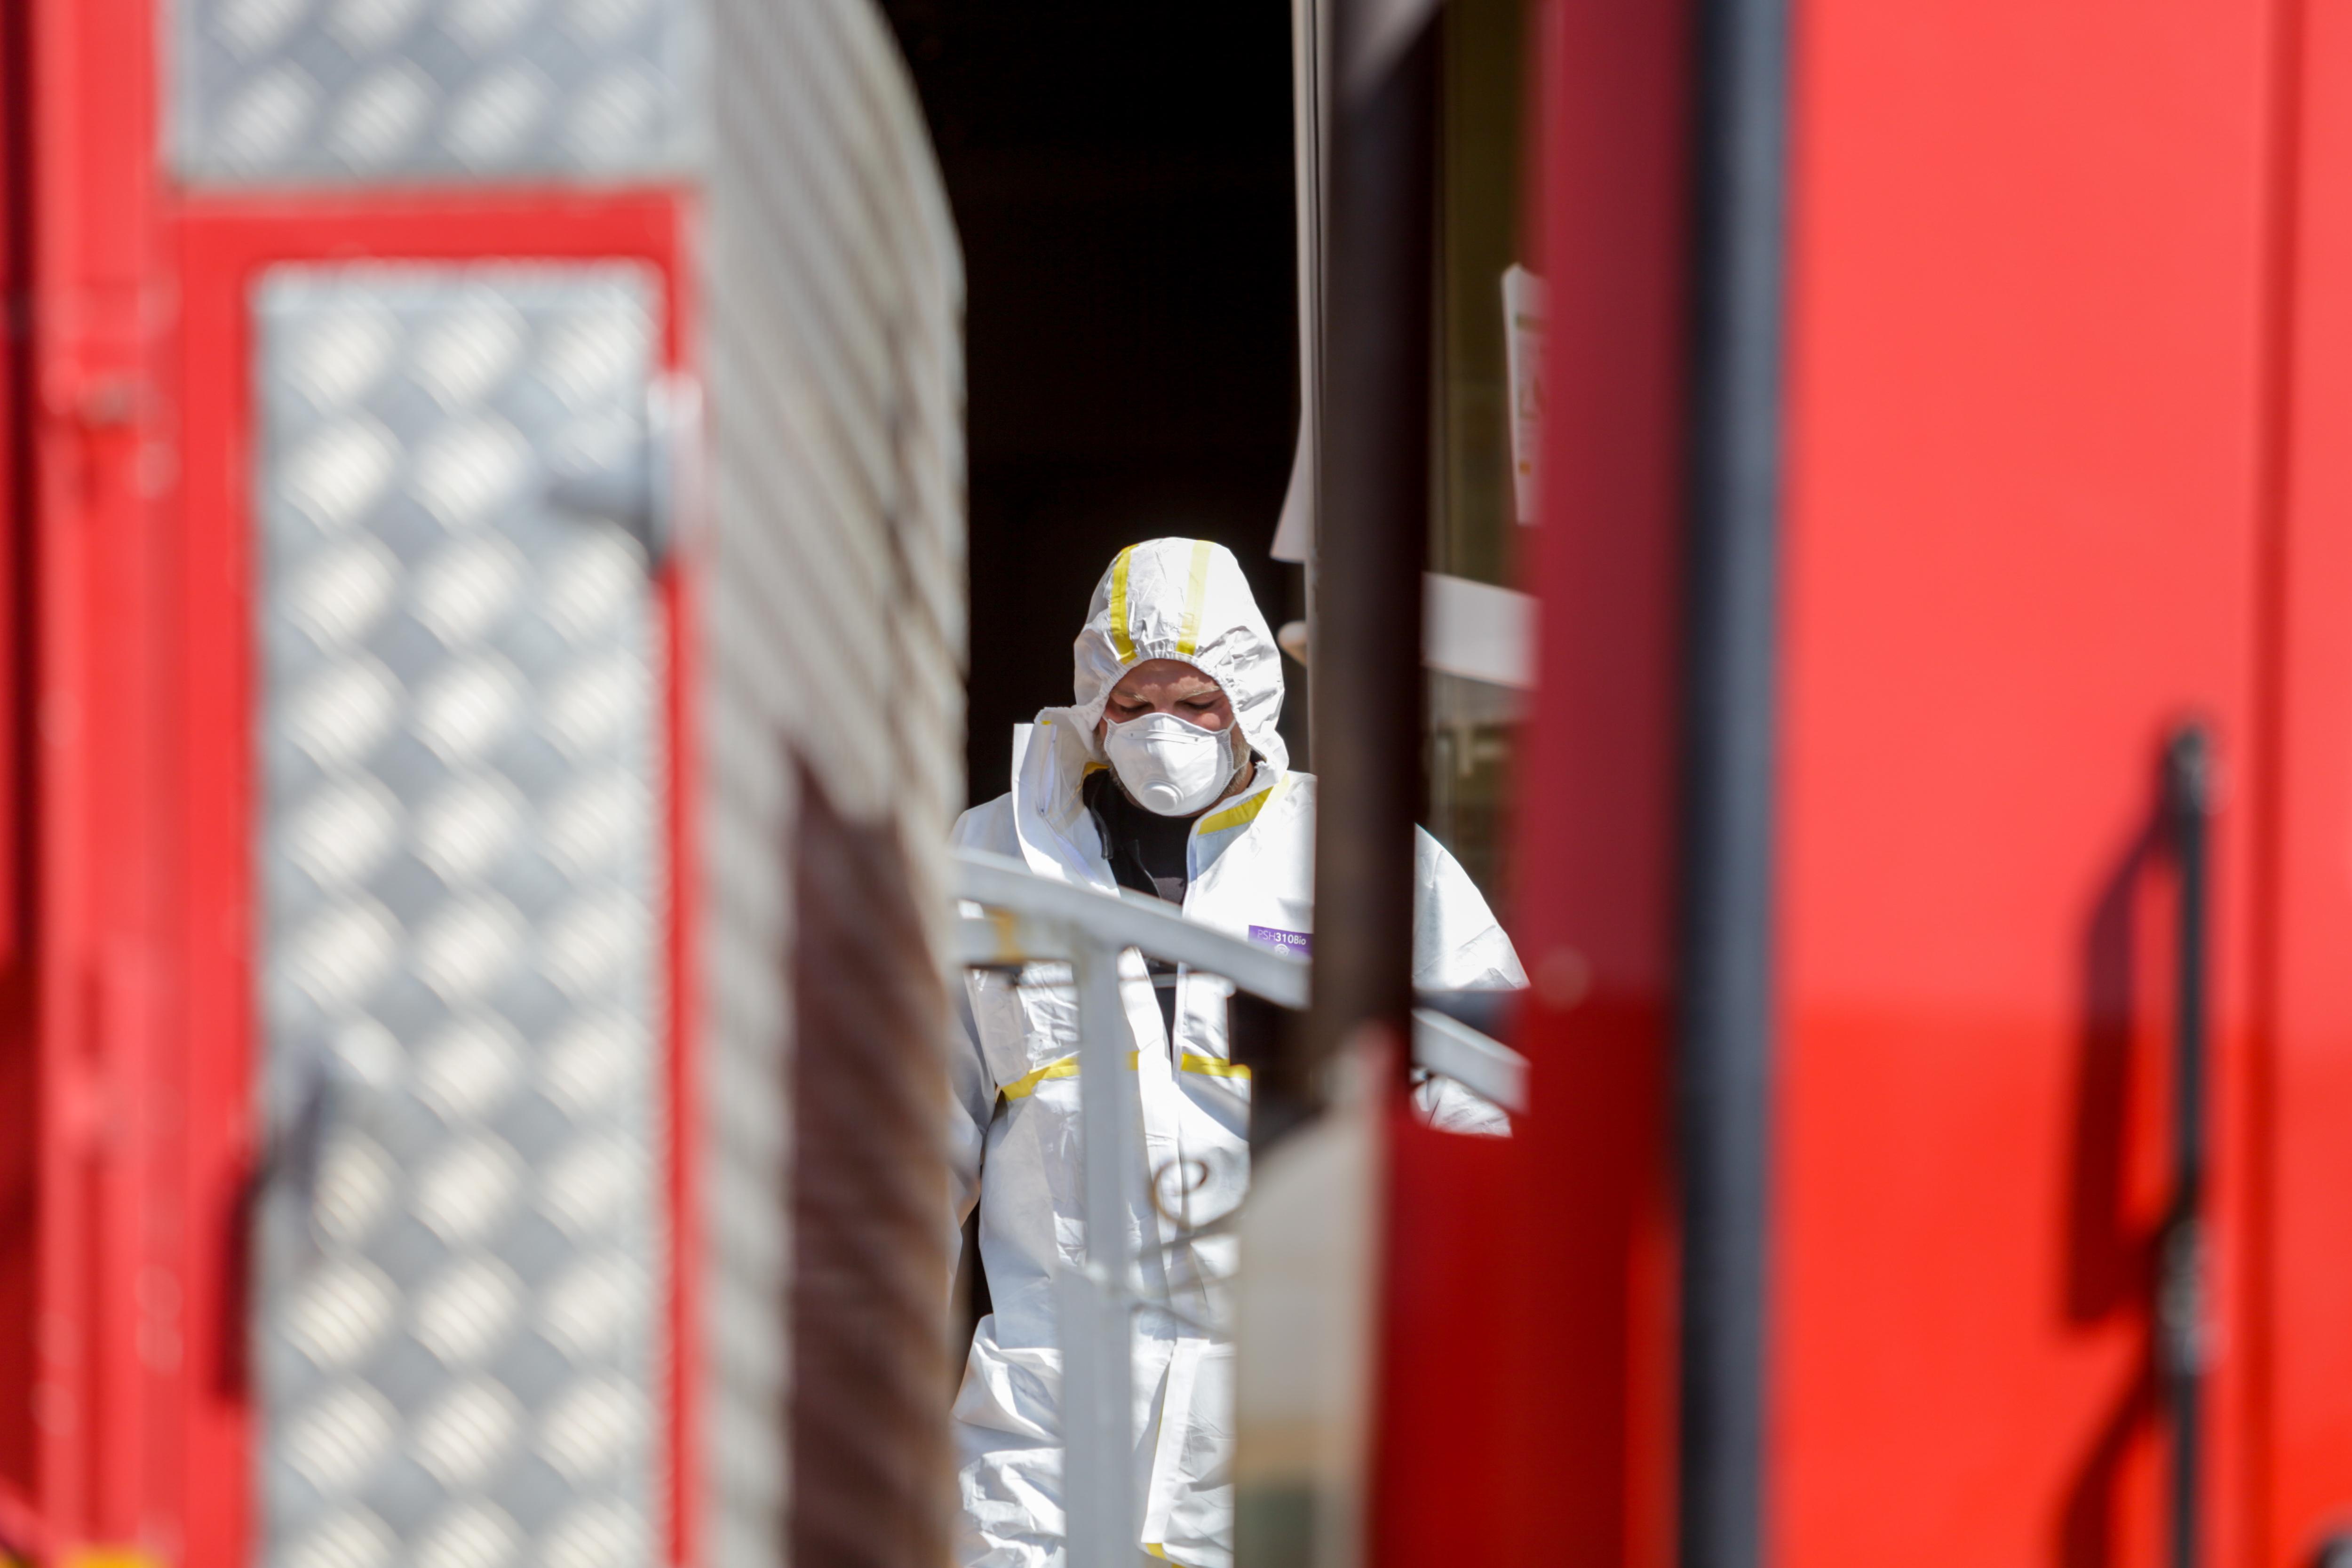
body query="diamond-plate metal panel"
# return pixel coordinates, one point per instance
(459, 970)
(344, 91)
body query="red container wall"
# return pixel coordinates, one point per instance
(2040, 319)
(86, 1010)
(1526, 1399)
(126, 1074)
(2070, 335)
(2303, 1484)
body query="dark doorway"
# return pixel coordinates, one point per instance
(1121, 182)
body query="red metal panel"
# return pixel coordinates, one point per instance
(105, 1355)
(1592, 1437)
(19, 1080)
(2308, 1098)
(2025, 533)
(16, 471)
(1530, 1287)
(682, 598)
(222, 245)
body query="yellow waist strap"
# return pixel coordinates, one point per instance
(1067, 1066)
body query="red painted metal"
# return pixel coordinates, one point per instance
(127, 1132)
(2026, 532)
(104, 1362)
(2303, 1157)
(221, 247)
(2068, 320)
(681, 593)
(125, 1020)
(17, 403)
(1530, 1288)
(20, 1120)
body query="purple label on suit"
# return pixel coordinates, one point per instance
(1297, 943)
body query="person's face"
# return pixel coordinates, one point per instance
(1167, 686)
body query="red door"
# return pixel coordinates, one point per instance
(2060, 464)
(229, 254)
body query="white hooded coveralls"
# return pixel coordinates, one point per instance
(1251, 865)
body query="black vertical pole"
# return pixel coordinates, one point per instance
(2180, 1298)
(1724, 1037)
(1371, 533)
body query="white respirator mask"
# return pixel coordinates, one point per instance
(1170, 766)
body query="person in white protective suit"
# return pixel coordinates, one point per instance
(1166, 776)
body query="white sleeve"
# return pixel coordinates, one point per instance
(1457, 943)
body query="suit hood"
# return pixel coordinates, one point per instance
(1183, 599)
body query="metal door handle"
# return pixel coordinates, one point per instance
(2181, 1291)
(639, 487)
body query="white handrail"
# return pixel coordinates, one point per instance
(1477, 1061)
(1126, 919)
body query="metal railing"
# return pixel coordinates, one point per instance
(1031, 919)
